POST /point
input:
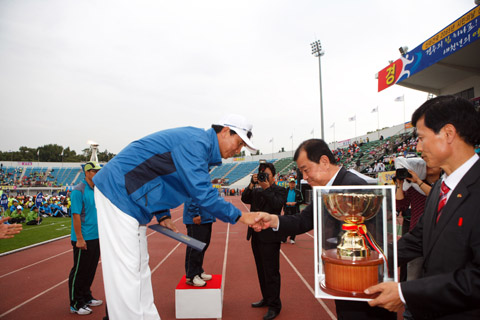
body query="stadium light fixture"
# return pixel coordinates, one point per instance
(317, 51)
(403, 50)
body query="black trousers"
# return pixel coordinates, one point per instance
(290, 211)
(194, 258)
(81, 276)
(360, 310)
(267, 260)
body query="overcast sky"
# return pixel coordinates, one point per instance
(115, 71)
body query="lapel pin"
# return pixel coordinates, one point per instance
(460, 221)
(459, 195)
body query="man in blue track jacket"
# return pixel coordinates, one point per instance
(147, 178)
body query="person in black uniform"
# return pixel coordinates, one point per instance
(264, 195)
(318, 166)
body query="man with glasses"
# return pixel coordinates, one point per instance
(86, 247)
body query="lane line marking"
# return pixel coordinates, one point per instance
(32, 298)
(224, 267)
(31, 265)
(332, 316)
(34, 245)
(166, 257)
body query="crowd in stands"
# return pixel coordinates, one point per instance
(376, 156)
(33, 179)
(292, 173)
(24, 177)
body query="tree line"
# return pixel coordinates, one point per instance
(53, 153)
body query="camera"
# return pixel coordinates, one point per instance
(262, 175)
(402, 174)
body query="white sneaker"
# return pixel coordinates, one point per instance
(196, 282)
(206, 276)
(292, 241)
(95, 303)
(83, 311)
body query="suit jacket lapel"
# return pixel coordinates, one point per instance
(449, 213)
(429, 217)
(433, 230)
(339, 178)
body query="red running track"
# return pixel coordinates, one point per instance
(34, 282)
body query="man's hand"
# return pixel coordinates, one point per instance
(389, 297)
(197, 220)
(168, 223)
(414, 178)
(81, 244)
(264, 184)
(265, 220)
(9, 230)
(253, 181)
(248, 218)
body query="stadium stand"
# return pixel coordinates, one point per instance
(241, 170)
(285, 165)
(359, 156)
(220, 172)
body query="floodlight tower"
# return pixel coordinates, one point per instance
(317, 51)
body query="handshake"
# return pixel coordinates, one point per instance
(259, 220)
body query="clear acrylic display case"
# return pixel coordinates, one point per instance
(355, 240)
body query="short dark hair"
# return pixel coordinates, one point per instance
(448, 109)
(269, 165)
(315, 149)
(217, 128)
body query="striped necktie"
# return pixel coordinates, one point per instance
(444, 189)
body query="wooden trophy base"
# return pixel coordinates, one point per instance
(349, 278)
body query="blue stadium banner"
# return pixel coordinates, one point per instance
(39, 199)
(459, 34)
(4, 201)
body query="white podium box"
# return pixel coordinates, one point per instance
(355, 243)
(199, 302)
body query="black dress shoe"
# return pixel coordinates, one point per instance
(258, 304)
(271, 314)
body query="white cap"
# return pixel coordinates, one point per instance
(19, 208)
(241, 126)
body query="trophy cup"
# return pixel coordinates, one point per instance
(352, 266)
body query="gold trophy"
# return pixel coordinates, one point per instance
(352, 266)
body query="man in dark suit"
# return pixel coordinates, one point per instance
(270, 198)
(448, 234)
(317, 163)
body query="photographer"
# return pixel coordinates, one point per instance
(413, 180)
(264, 195)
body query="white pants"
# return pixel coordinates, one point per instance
(126, 274)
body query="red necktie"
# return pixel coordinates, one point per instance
(443, 199)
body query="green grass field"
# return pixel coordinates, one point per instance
(50, 228)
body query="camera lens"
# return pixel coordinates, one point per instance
(262, 176)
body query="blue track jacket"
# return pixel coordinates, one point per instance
(162, 170)
(191, 210)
